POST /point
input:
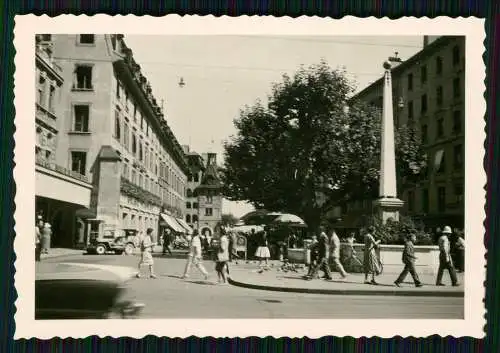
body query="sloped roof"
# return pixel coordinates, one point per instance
(210, 179)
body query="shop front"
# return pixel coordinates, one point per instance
(60, 198)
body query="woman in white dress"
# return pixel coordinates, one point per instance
(262, 252)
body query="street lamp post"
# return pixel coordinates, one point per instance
(388, 204)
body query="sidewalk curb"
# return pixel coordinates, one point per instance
(395, 292)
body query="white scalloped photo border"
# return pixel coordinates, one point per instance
(27, 26)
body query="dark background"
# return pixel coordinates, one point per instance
(335, 9)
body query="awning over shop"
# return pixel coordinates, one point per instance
(172, 223)
(57, 186)
(189, 230)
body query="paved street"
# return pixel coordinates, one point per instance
(171, 297)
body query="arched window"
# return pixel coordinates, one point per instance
(195, 218)
(189, 193)
(188, 218)
(188, 204)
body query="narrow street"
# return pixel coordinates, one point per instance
(170, 297)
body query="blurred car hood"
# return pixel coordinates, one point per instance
(82, 271)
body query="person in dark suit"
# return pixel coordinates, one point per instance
(409, 262)
(323, 256)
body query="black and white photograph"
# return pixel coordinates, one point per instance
(245, 174)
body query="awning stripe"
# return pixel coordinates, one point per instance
(171, 222)
(184, 225)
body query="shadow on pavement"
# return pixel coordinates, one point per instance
(206, 283)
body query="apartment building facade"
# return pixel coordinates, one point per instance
(59, 191)
(429, 91)
(116, 134)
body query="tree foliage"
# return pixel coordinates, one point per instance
(228, 219)
(305, 140)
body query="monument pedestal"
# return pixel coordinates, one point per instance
(388, 207)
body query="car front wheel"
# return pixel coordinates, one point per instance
(100, 249)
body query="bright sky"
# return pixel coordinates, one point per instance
(224, 73)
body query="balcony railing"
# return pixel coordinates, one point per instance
(57, 168)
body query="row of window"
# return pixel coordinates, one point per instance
(438, 65)
(194, 218)
(440, 127)
(82, 38)
(441, 196)
(133, 140)
(424, 101)
(441, 159)
(194, 205)
(149, 184)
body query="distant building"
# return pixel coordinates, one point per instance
(428, 90)
(59, 191)
(204, 192)
(115, 134)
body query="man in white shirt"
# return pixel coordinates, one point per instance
(335, 251)
(445, 262)
(195, 256)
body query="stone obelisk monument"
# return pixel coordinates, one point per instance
(388, 204)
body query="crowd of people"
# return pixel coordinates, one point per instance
(324, 253)
(327, 247)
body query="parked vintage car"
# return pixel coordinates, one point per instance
(83, 291)
(125, 242)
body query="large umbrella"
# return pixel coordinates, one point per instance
(289, 219)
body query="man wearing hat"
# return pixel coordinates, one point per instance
(409, 261)
(445, 262)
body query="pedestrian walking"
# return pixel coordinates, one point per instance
(46, 237)
(221, 265)
(263, 253)
(195, 256)
(323, 255)
(167, 240)
(409, 262)
(38, 239)
(146, 244)
(371, 261)
(445, 262)
(335, 253)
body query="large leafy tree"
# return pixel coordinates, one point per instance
(310, 140)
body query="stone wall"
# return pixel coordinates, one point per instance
(427, 258)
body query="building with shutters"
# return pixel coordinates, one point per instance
(203, 193)
(428, 90)
(115, 133)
